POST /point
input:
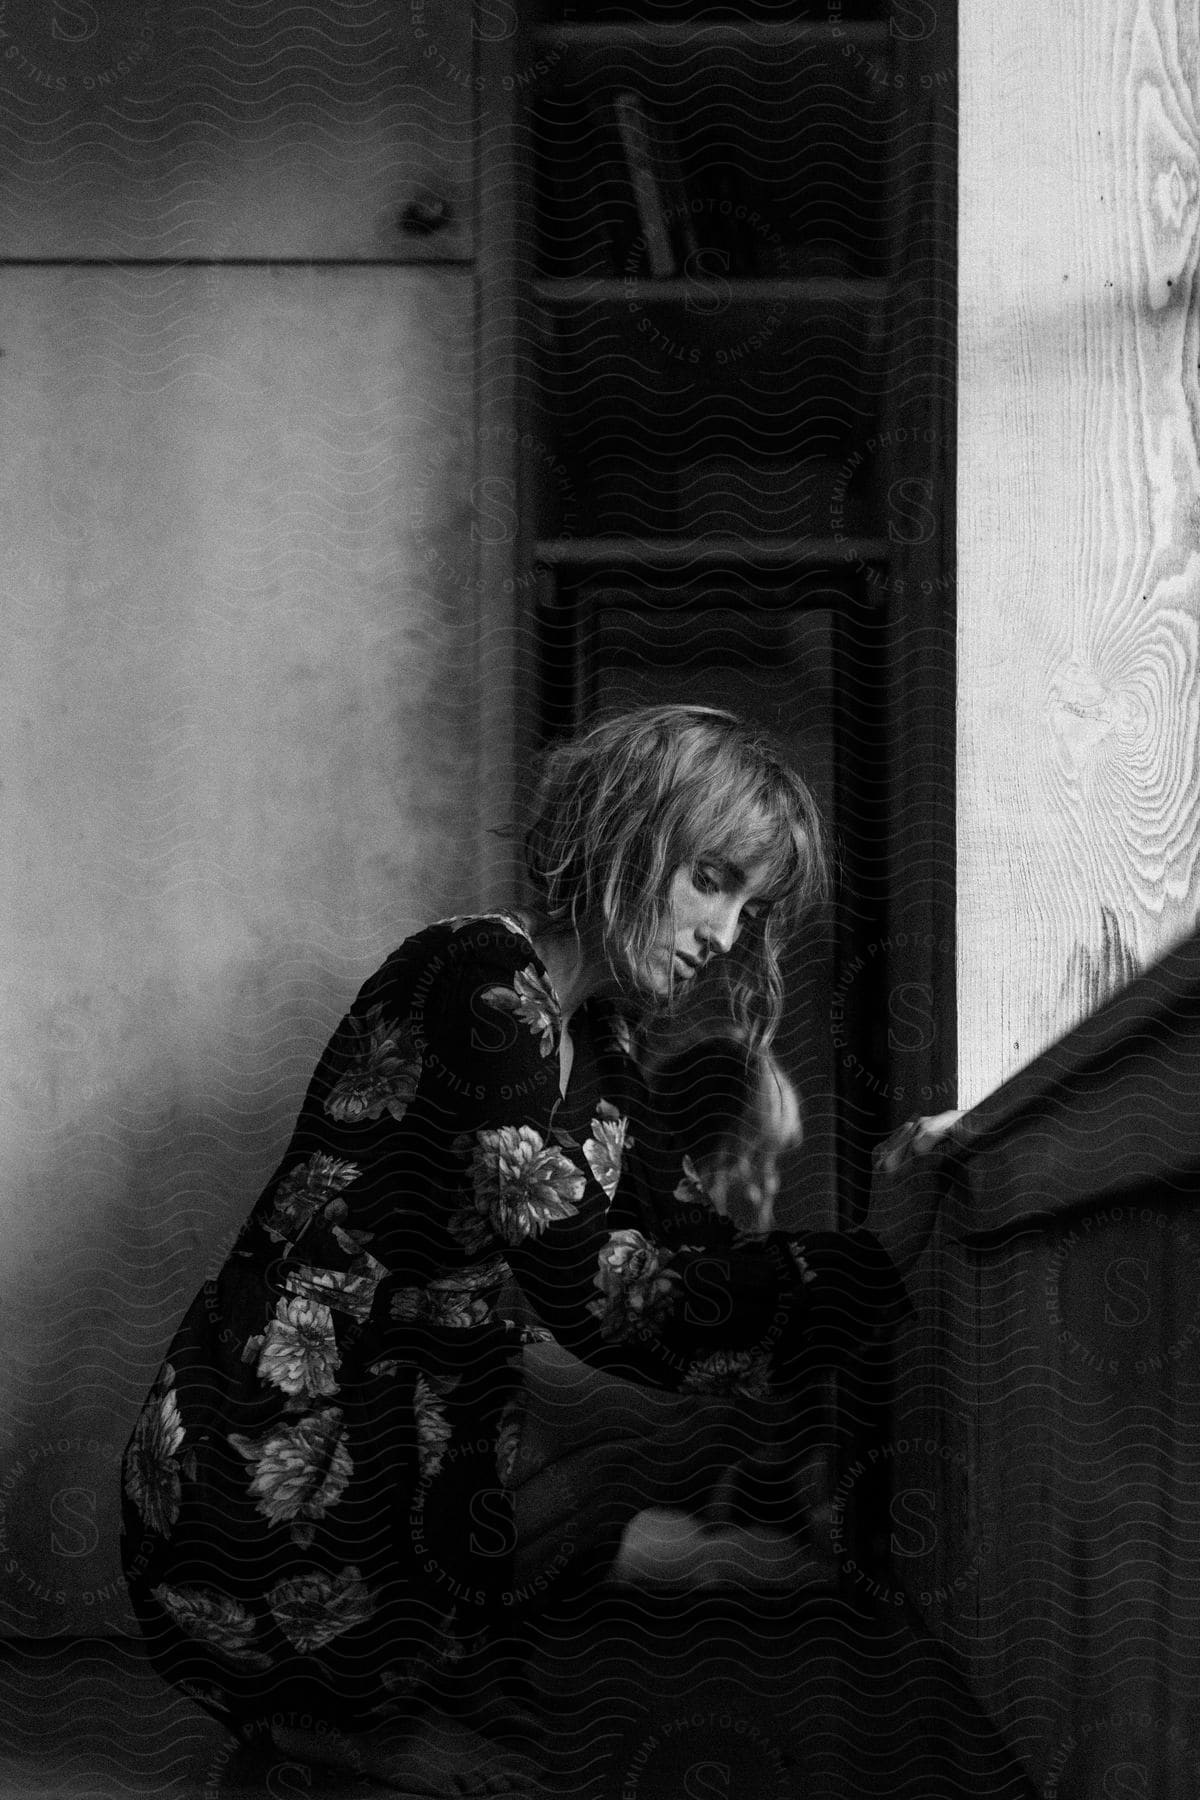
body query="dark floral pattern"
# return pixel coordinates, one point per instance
(300, 1467)
(213, 1618)
(312, 1187)
(298, 1352)
(532, 1000)
(606, 1147)
(458, 1301)
(522, 1183)
(311, 1609)
(470, 1230)
(384, 1071)
(690, 1190)
(508, 1440)
(433, 1427)
(803, 1267)
(637, 1292)
(468, 921)
(350, 1291)
(152, 1468)
(743, 1373)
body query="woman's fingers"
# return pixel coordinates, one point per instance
(916, 1137)
(894, 1151)
(933, 1127)
(905, 1192)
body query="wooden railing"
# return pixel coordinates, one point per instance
(1045, 1448)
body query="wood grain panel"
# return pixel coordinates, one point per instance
(1078, 504)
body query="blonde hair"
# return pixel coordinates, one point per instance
(636, 797)
(732, 1111)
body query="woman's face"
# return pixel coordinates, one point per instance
(707, 904)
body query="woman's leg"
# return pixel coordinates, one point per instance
(596, 1452)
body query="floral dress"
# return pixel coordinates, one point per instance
(318, 1505)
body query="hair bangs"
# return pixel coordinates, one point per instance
(765, 830)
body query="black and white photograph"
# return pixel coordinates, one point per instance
(600, 899)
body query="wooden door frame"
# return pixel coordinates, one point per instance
(908, 986)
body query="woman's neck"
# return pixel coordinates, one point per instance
(575, 974)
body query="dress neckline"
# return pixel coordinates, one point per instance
(575, 1107)
(597, 1014)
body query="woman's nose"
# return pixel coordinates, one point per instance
(721, 928)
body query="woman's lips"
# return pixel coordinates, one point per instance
(686, 964)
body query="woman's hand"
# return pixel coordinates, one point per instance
(915, 1138)
(904, 1197)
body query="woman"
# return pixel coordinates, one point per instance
(320, 1490)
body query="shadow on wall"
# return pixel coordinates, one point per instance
(136, 1185)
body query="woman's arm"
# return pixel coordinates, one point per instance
(906, 1187)
(619, 1254)
(607, 1283)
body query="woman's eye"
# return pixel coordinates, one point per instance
(706, 880)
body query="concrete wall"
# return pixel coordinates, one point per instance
(239, 693)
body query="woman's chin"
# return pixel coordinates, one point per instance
(652, 993)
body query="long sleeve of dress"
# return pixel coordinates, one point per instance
(548, 1188)
(622, 1257)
